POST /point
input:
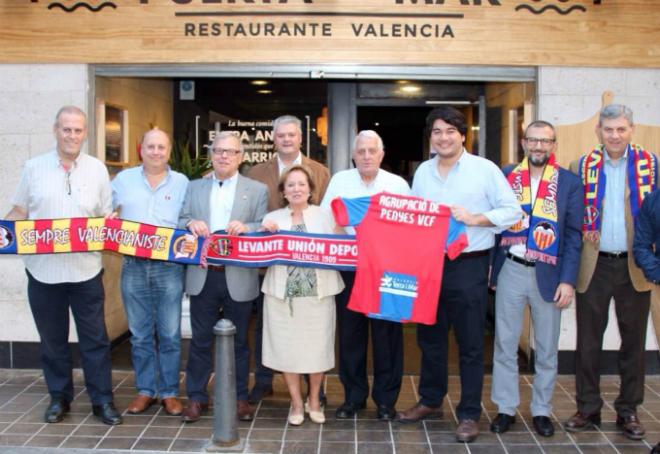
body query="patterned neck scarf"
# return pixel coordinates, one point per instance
(641, 171)
(538, 227)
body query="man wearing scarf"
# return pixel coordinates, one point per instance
(536, 264)
(616, 177)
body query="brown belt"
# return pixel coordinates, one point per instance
(215, 267)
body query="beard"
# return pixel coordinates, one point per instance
(538, 162)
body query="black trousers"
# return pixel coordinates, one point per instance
(611, 279)
(462, 305)
(50, 305)
(204, 313)
(387, 346)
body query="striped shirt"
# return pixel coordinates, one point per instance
(48, 191)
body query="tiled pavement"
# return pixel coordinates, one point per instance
(23, 398)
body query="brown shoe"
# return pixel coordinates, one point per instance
(193, 411)
(140, 404)
(580, 422)
(172, 406)
(244, 411)
(418, 412)
(467, 430)
(630, 426)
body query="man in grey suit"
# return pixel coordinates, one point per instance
(231, 202)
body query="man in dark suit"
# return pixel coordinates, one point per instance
(608, 270)
(231, 202)
(536, 264)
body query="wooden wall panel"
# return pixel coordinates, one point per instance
(621, 33)
(577, 139)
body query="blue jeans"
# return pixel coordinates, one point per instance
(152, 292)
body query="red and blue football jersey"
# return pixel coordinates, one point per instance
(402, 242)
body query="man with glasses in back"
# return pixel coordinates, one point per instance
(535, 265)
(225, 201)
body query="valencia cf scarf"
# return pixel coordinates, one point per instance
(538, 228)
(641, 171)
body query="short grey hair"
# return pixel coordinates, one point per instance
(69, 110)
(615, 111)
(541, 124)
(226, 135)
(286, 120)
(369, 133)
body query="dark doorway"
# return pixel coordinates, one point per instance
(402, 131)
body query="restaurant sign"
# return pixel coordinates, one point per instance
(502, 32)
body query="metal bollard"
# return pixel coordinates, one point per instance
(225, 420)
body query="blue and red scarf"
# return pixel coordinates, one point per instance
(538, 227)
(641, 169)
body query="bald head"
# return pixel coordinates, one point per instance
(159, 134)
(156, 150)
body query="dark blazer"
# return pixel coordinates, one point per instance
(569, 221)
(250, 208)
(647, 237)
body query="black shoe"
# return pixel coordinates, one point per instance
(385, 413)
(502, 423)
(656, 449)
(348, 409)
(56, 411)
(107, 413)
(543, 426)
(259, 392)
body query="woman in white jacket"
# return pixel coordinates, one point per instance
(299, 302)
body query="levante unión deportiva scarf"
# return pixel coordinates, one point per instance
(641, 172)
(538, 228)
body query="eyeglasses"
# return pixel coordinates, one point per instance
(227, 151)
(534, 141)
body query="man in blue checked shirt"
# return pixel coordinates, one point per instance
(152, 289)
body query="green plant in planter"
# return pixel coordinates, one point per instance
(182, 161)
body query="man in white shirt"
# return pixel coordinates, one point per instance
(225, 201)
(66, 183)
(387, 337)
(481, 198)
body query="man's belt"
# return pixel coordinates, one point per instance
(520, 260)
(613, 255)
(471, 254)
